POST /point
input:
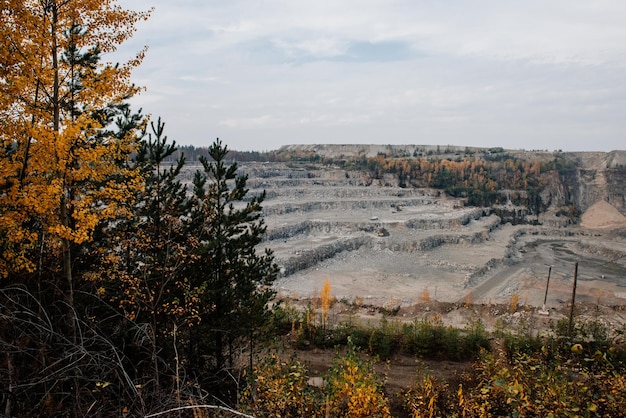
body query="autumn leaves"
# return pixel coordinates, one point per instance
(61, 157)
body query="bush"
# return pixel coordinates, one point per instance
(428, 397)
(476, 339)
(383, 341)
(532, 386)
(354, 389)
(279, 388)
(429, 338)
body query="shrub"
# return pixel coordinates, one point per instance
(383, 340)
(354, 389)
(583, 384)
(279, 388)
(428, 397)
(430, 338)
(476, 339)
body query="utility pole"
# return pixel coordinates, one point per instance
(571, 311)
(543, 310)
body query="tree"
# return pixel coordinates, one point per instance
(144, 256)
(234, 278)
(60, 161)
(66, 135)
(353, 387)
(326, 301)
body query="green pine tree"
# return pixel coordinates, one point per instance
(147, 255)
(235, 278)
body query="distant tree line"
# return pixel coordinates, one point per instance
(194, 154)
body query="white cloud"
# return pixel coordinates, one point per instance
(316, 47)
(531, 74)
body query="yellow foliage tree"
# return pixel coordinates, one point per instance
(354, 389)
(325, 300)
(428, 398)
(424, 295)
(62, 166)
(514, 302)
(280, 388)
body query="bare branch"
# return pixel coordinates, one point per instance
(221, 408)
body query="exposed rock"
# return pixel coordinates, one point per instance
(382, 232)
(390, 245)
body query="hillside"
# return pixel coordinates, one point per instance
(584, 177)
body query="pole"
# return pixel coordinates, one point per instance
(571, 311)
(545, 298)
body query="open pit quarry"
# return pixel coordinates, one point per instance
(382, 245)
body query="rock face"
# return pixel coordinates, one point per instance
(599, 177)
(316, 213)
(386, 245)
(593, 176)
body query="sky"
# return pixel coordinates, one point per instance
(259, 74)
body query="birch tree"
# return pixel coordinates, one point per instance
(66, 134)
(60, 153)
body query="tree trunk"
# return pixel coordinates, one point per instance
(11, 374)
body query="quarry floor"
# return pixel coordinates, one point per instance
(517, 265)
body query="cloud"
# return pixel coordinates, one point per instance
(530, 74)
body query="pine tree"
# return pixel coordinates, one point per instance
(145, 255)
(236, 280)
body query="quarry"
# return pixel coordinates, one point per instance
(381, 245)
(388, 246)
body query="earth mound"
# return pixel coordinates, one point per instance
(602, 215)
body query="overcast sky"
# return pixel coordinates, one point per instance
(258, 74)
